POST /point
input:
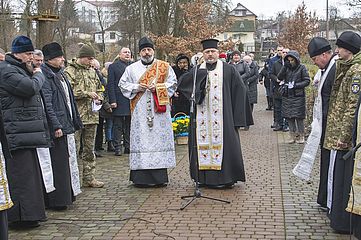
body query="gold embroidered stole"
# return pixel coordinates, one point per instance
(354, 202)
(4, 190)
(210, 122)
(157, 72)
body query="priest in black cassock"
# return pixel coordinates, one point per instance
(221, 108)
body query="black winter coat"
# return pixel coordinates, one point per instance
(276, 68)
(57, 109)
(243, 70)
(22, 105)
(265, 78)
(252, 81)
(294, 99)
(115, 72)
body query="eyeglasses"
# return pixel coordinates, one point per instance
(284, 52)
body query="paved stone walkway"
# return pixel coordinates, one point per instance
(272, 204)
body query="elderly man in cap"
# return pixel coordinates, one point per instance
(64, 120)
(149, 83)
(87, 91)
(221, 106)
(338, 136)
(322, 56)
(26, 130)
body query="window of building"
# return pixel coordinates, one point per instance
(112, 35)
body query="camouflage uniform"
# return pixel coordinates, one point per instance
(84, 80)
(342, 106)
(343, 103)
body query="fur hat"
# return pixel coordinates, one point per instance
(145, 42)
(317, 46)
(22, 44)
(86, 51)
(52, 50)
(350, 41)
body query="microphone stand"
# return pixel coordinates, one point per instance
(192, 142)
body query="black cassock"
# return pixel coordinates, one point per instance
(236, 113)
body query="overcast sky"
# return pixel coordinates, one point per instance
(269, 8)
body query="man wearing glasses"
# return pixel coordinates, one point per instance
(87, 93)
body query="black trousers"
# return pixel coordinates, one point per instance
(277, 111)
(322, 188)
(99, 134)
(121, 128)
(3, 225)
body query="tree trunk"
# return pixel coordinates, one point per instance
(141, 13)
(3, 26)
(45, 28)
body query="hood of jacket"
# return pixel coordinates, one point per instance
(294, 54)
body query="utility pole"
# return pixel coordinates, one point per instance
(141, 12)
(45, 26)
(327, 22)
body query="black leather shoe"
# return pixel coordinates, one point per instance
(110, 147)
(98, 154)
(59, 208)
(118, 152)
(24, 224)
(278, 128)
(285, 129)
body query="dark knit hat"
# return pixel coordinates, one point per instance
(145, 42)
(22, 44)
(86, 51)
(210, 43)
(52, 50)
(317, 46)
(350, 41)
(235, 52)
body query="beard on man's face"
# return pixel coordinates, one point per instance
(211, 61)
(147, 58)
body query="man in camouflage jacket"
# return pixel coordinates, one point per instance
(338, 136)
(87, 90)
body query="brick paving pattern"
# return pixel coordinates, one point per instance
(272, 204)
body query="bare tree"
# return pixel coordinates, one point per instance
(101, 19)
(7, 25)
(26, 25)
(67, 20)
(299, 28)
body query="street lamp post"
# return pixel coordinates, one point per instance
(327, 22)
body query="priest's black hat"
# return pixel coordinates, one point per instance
(210, 43)
(52, 50)
(145, 42)
(317, 46)
(350, 41)
(22, 44)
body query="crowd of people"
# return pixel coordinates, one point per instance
(53, 118)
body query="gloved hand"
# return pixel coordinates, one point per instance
(291, 85)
